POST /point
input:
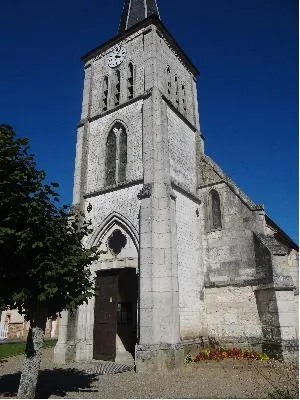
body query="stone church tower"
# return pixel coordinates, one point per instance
(187, 257)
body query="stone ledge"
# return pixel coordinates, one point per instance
(113, 188)
(237, 283)
(274, 286)
(178, 187)
(116, 108)
(160, 346)
(179, 114)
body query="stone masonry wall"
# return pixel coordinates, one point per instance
(182, 148)
(293, 268)
(190, 269)
(131, 118)
(124, 201)
(230, 270)
(167, 57)
(135, 54)
(229, 251)
(278, 313)
(231, 314)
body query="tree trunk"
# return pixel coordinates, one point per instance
(32, 362)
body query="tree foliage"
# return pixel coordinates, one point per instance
(43, 261)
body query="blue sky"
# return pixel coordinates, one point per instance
(247, 54)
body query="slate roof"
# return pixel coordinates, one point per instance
(135, 11)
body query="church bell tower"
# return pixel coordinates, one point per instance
(135, 177)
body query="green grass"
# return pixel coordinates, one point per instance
(14, 349)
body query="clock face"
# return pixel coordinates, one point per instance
(117, 56)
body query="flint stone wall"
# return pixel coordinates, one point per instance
(130, 117)
(182, 149)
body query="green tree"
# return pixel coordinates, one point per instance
(43, 265)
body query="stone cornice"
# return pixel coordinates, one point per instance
(117, 108)
(185, 192)
(273, 286)
(113, 188)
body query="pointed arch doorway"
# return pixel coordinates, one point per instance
(115, 313)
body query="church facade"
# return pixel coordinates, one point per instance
(188, 259)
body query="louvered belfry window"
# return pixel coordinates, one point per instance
(117, 88)
(104, 94)
(183, 98)
(169, 84)
(176, 92)
(130, 85)
(116, 155)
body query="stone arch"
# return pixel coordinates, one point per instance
(118, 220)
(110, 159)
(113, 121)
(116, 154)
(215, 213)
(116, 274)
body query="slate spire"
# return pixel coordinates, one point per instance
(135, 11)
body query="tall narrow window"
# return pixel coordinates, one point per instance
(176, 92)
(169, 81)
(117, 88)
(130, 82)
(111, 161)
(104, 94)
(122, 155)
(215, 209)
(116, 155)
(183, 98)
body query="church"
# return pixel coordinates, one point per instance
(188, 260)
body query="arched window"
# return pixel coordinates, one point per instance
(176, 92)
(116, 155)
(122, 155)
(104, 94)
(130, 85)
(216, 221)
(169, 85)
(183, 98)
(111, 151)
(117, 79)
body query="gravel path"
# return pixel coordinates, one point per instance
(208, 379)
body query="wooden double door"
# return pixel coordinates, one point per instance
(115, 312)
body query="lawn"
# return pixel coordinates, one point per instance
(13, 349)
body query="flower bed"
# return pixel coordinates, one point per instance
(220, 353)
